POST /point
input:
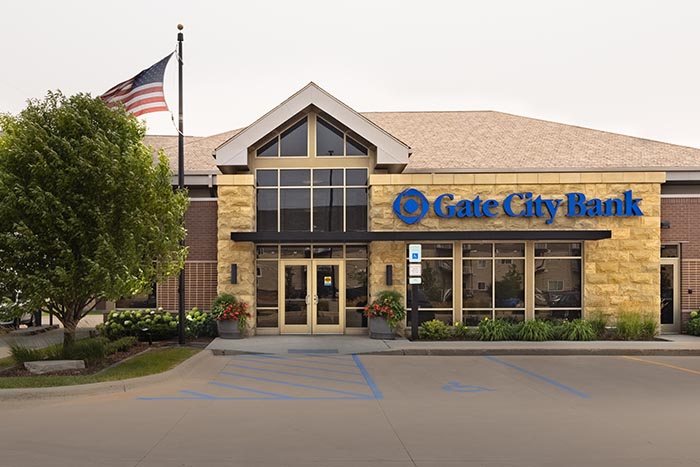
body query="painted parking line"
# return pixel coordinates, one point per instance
(667, 365)
(245, 386)
(540, 377)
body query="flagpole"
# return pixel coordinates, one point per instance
(180, 182)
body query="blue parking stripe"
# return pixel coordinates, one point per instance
(241, 388)
(302, 359)
(286, 365)
(297, 374)
(540, 377)
(316, 388)
(370, 382)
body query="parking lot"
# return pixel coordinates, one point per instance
(338, 410)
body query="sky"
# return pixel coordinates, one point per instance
(629, 67)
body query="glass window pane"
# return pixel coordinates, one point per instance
(295, 210)
(328, 209)
(510, 283)
(267, 318)
(435, 250)
(267, 252)
(558, 249)
(356, 251)
(266, 274)
(295, 177)
(356, 209)
(295, 251)
(474, 317)
(477, 284)
(669, 251)
(268, 149)
(513, 250)
(356, 177)
(266, 177)
(558, 283)
(329, 140)
(328, 177)
(294, 141)
(353, 148)
(511, 315)
(328, 251)
(436, 289)
(477, 250)
(266, 205)
(355, 318)
(569, 315)
(355, 283)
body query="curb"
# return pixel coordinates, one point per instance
(543, 352)
(106, 387)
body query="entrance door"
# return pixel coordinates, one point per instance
(313, 297)
(670, 296)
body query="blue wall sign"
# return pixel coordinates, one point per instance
(411, 206)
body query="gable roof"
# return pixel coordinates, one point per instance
(486, 141)
(234, 152)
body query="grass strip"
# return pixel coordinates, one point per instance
(149, 363)
(6, 362)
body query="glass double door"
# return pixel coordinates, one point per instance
(670, 295)
(313, 297)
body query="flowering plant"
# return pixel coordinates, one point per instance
(388, 306)
(226, 306)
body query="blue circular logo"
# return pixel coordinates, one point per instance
(411, 206)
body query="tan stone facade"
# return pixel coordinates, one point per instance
(236, 213)
(620, 273)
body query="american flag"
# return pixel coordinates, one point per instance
(141, 94)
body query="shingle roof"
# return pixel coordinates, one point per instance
(483, 141)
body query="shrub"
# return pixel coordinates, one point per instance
(578, 330)
(200, 324)
(91, 350)
(120, 345)
(635, 326)
(599, 323)
(462, 331)
(535, 330)
(496, 330)
(161, 325)
(22, 354)
(434, 330)
(693, 325)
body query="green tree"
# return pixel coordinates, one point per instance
(85, 214)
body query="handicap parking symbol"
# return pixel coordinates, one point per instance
(459, 387)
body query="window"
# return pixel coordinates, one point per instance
(330, 141)
(311, 200)
(558, 280)
(292, 142)
(145, 299)
(493, 281)
(435, 295)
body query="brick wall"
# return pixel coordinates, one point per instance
(684, 214)
(200, 267)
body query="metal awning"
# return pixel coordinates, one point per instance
(425, 235)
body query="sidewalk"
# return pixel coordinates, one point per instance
(673, 344)
(45, 339)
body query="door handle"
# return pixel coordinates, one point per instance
(315, 299)
(306, 300)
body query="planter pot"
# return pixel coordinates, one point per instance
(228, 329)
(380, 329)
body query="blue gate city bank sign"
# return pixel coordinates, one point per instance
(411, 206)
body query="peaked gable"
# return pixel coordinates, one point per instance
(234, 152)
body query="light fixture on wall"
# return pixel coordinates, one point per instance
(389, 274)
(665, 224)
(234, 273)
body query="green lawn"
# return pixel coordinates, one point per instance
(149, 363)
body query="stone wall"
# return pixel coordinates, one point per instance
(236, 213)
(620, 273)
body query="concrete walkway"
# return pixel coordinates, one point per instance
(46, 339)
(673, 344)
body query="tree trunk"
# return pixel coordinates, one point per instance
(69, 326)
